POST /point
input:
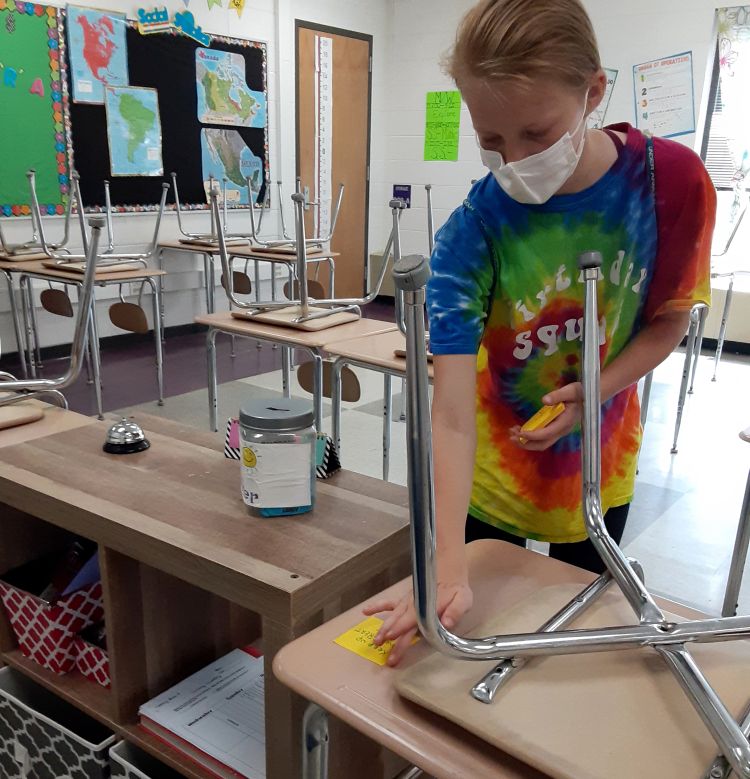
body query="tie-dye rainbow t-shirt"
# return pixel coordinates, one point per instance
(505, 286)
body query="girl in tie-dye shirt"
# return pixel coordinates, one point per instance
(505, 299)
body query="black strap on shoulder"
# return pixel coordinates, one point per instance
(651, 162)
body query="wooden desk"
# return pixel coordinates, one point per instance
(187, 573)
(244, 252)
(376, 353)
(362, 694)
(103, 278)
(313, 342)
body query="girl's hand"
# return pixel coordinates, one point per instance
(539, 440)
(454, 600)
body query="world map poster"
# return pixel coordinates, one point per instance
(223, 94)
(98, 53)
(134, 131)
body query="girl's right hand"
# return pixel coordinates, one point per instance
(454, 599)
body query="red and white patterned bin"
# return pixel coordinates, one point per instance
(46, 632)
(92, 661)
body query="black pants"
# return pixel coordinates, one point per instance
(581, 554)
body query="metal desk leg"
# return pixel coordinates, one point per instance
(702, 316)
(402, 412)
(689, 351)
(646, 397)
(96, 358)
(273, 293)
(387, 415)
(212, 382)
(315, 743)
(338, 366)
(26, 302)
(723, 328)
(158, 338)
(318, 390)
(739, 556)
(162, 312)
(258, 344)
(16, 324)
(35, 328)
(286, 371)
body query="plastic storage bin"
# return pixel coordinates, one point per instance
(129, 762)
(44, 737)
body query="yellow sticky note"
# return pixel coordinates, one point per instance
(360, 641)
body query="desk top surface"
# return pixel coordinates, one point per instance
(378, 350)
(318, 339)
(246, 251)
(39, 269)
(177, 507)
(55, 420)
(363, 694)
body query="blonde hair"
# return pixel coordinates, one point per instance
(520, 39)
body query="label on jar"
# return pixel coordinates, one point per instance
(276, 475)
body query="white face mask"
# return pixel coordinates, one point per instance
(535, 179)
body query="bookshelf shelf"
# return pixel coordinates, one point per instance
(91, 698)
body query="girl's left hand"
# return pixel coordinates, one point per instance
(539, 440)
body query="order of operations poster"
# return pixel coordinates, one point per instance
(664, 95)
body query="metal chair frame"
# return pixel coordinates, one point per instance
(670, 640)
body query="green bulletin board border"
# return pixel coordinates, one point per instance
(58, 97)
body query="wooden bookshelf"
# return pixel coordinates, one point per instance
(89, 697)
(170, 757)
(187, 575)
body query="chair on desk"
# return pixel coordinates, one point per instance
(14, 392)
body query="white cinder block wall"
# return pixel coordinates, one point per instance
(409, 38)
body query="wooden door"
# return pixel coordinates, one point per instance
(333, 143)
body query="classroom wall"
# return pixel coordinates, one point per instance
(271, 21)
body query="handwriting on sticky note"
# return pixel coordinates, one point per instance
(360, 640)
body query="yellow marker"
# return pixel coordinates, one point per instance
(360, 640)
(542, 418)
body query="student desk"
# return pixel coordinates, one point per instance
(362, 694)
(242, 252)
(315, 343)
(188, 575)
(103, 278)
(375, 352)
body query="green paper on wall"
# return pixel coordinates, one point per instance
(441, 126)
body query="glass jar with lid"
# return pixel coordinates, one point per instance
(278, 441)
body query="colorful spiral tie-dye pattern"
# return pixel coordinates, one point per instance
(505, 286)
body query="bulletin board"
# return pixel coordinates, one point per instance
(46, 128)
(166, 62)
(31, 99)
